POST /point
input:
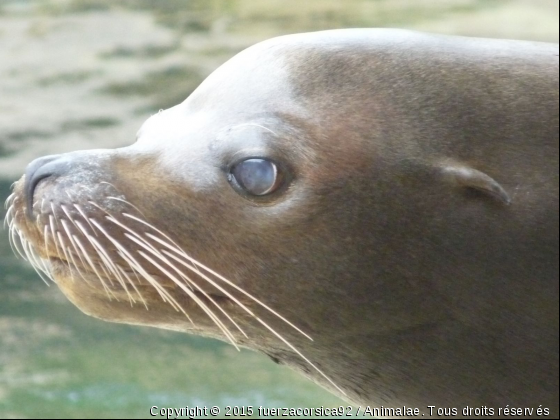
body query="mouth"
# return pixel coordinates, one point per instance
(122, 283)
(122, 259)
(119, 287)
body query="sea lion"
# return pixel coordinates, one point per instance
(377, 209)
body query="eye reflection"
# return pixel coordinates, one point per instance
(256, 176)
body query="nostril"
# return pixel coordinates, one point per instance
(36, 171)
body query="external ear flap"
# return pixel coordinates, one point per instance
(467, 177)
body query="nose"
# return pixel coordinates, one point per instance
(39, 170)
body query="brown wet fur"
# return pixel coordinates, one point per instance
(416, 288)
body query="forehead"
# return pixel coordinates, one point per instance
(254, 81)
(253, 86)
(283, 75)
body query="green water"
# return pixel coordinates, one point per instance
(56, 362)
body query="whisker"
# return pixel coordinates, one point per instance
(27, 257)
(104, 255)
(11, 233)
(217, 286)
(79, 252)
(53, 232)
(67, 258)
(7, 217)
(31, 258)
(109, 184)
(82, 213)
(137, 266)
(122, 200)
(8, 200)
(16, 237)
(101, 253)
(38, 263)
(112, 268)
(132, 263)
(162, 292)
(25, 245)
(295, 350)
(201, 304)
(11, 239)
(133, 286)
(142, 242)
(189, 291)
(71, 238)
(166, 296)
(46, 235)
(90, 262)
(54, 215)
(228, 282)
(147, 244)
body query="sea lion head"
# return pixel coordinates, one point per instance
(224, 209)
(287, 205)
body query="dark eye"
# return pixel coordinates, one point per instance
(257, 176)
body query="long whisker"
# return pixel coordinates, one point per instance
(31, 258)
(54, 215)
(46, 238)
(17, 238)
(53, 232)
(35, 259)
(228, 282)
(178, 250)
(112, 268)
(142, 242)
(72, 239)
(7, 217)
(189, 291)
(98, 248)
(217, 286)
(145, 244)
(11, 233)
(300, 354)
(166, 296)
(208, 312)
(82, 213)
(162, 292)
(133, 286)
(8, 201)
(122, 200)
(136, 267)
(104, 255)
(66, 256)
(90, 262)
(27, 252)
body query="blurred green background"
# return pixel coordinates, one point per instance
(80, 74)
